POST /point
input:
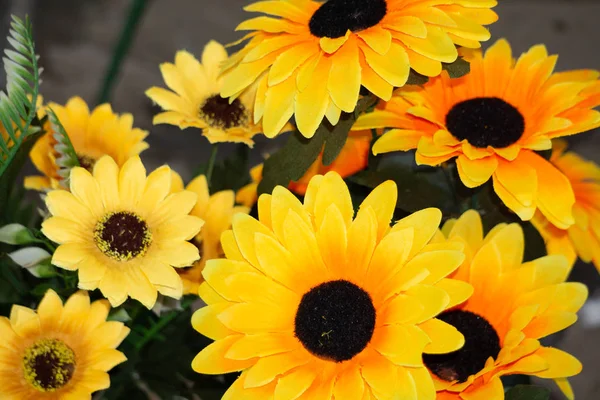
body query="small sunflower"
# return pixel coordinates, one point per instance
(122, 231)
(61, 352)
(514, 305)
(216, 211)
(583, 237)
(93, 135)
(312, 303)
(492, 121)
(310, 58)
(194, 99)
(353, 158)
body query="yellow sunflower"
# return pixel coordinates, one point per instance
(93, 135)
(309, 58)
(194, 99)
(216, 211)
(514, 305)
(353, 157)
(122, 231)
(492, 120)
(312, 303)
(582, 238)
(61, 352)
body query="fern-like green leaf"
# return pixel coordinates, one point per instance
(18, 104)
(67, 157)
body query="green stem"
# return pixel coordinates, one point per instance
(162, 323)
(134, 17)
(211, 163)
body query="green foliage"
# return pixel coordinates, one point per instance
(230, 173)
(67, 157)
(528, 392)
(18, 105)
(297, 155)
(457, 69)
(418, 187)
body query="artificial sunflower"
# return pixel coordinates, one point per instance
(493, 120)
(583, 237)
(309, 58)
(353, 157)
(194, 99)
(122, 231)
(216, 211)
(514, 305)
(61, 352)
(93, 135)
(312, 303)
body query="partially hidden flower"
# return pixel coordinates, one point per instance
(310, 58)
(314, 303)
(93, 134)
(59, 352)
(353, 158)
(493, 121)
(217, 211)
(583, 237)
(194, 100)
(513, 307)
(122, 231)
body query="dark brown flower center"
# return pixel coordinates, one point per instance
(481, 342)
(122, 235)
(48, 365)
(86, 162)
(336, 17)
(335, 320)
(486, 121)
(218, 113)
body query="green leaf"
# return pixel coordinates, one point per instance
(67, 157)
(415, 78)
(7, 180)
(292, 161)
(458, 68)
(18, 106)
(231, 173)
(417, 188)
(528, 392)
(12, 282)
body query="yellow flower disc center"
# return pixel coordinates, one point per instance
(336, 17)
(218, 113)
(48, 365)
(86, 162)
(335, 320)
(122, 235)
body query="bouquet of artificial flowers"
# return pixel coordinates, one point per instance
(410, 239)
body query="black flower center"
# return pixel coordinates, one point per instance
(218, 113)
(122, 235)
(335, 17)
(335, 320)
(48, 365)
(86, 162)
(481, 343)
(486, 121)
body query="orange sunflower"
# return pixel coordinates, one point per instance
(582, 238)
(310, 58)
(514, 305)
(492, 121)
(354, 157)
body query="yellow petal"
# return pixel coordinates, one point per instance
(349, 385)
(262, 345)
(294, 384)
(211, 360)
(444, 337)
(382, 200)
